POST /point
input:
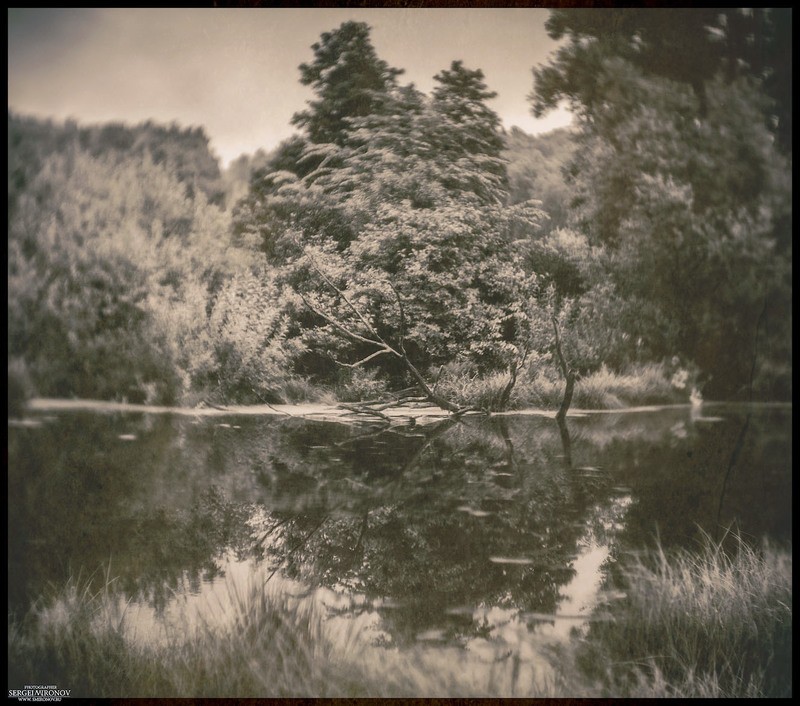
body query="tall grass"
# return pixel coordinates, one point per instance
(717, 622)
(544, 389)
(640, 385)
(259, 644)
(694, 624)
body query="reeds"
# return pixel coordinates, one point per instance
(544, 389)
(709, 623)
(252, 642)
(714, 622)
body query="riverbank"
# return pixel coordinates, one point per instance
(641, 388)
(421, 414)
(705, 624)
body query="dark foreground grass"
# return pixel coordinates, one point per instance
(713, 623)
(268, 645)
(708, 624)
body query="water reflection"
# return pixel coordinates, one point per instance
(469, 535)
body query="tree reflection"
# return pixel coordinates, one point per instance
(434, 520)
(459, 521)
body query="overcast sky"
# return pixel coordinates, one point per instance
(234, 71)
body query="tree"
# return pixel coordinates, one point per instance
(77, 299)
(119, 280)
(678, 181)
(536, 170)
(691, 46)
(394, 231)
(348, 78)
(467, 133)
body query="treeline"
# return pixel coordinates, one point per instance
(402, 239)
(120, 263)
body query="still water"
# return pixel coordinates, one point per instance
(460, 535)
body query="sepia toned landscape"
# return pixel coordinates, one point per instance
(405, 400)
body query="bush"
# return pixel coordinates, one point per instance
(359, 385)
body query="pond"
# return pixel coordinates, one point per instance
(478, 535)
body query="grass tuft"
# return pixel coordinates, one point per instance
(717, 622)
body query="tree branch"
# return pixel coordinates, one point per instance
(347, 332)
(381, 343)
(351, 306)
(382, 351)
(368, 411)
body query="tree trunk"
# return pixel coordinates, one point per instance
(567, 401)
(569, 375)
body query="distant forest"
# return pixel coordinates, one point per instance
(401, 239)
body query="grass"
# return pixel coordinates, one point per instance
(717, 622)
(708, 623)
(461, 387)
(540, 388)
(646, 384)
(268, 645)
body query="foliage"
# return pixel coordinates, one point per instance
(403, 212)
(359, 385)
(236, 178)
(183, 152)
(689, 46)
(660, 227)
(122, 281)
(248, 357)
(464, 385)
(77, 300)
(348, 78)
(111, 267)
(540, 387)
(680, 184)
(647, 384)
(270, 646)
(20, 387)
(536, 170)
(278, 646)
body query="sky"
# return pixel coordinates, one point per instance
(235, 71)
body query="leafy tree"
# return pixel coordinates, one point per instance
(467, 132)
(111, 267)
(184, 152)
(679, 182)
(238, 174)
(690, 46)
(536, 170)
(77, 308)
(394, 225)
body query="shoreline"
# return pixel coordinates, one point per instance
(327, 411)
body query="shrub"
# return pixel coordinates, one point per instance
(359, 385)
